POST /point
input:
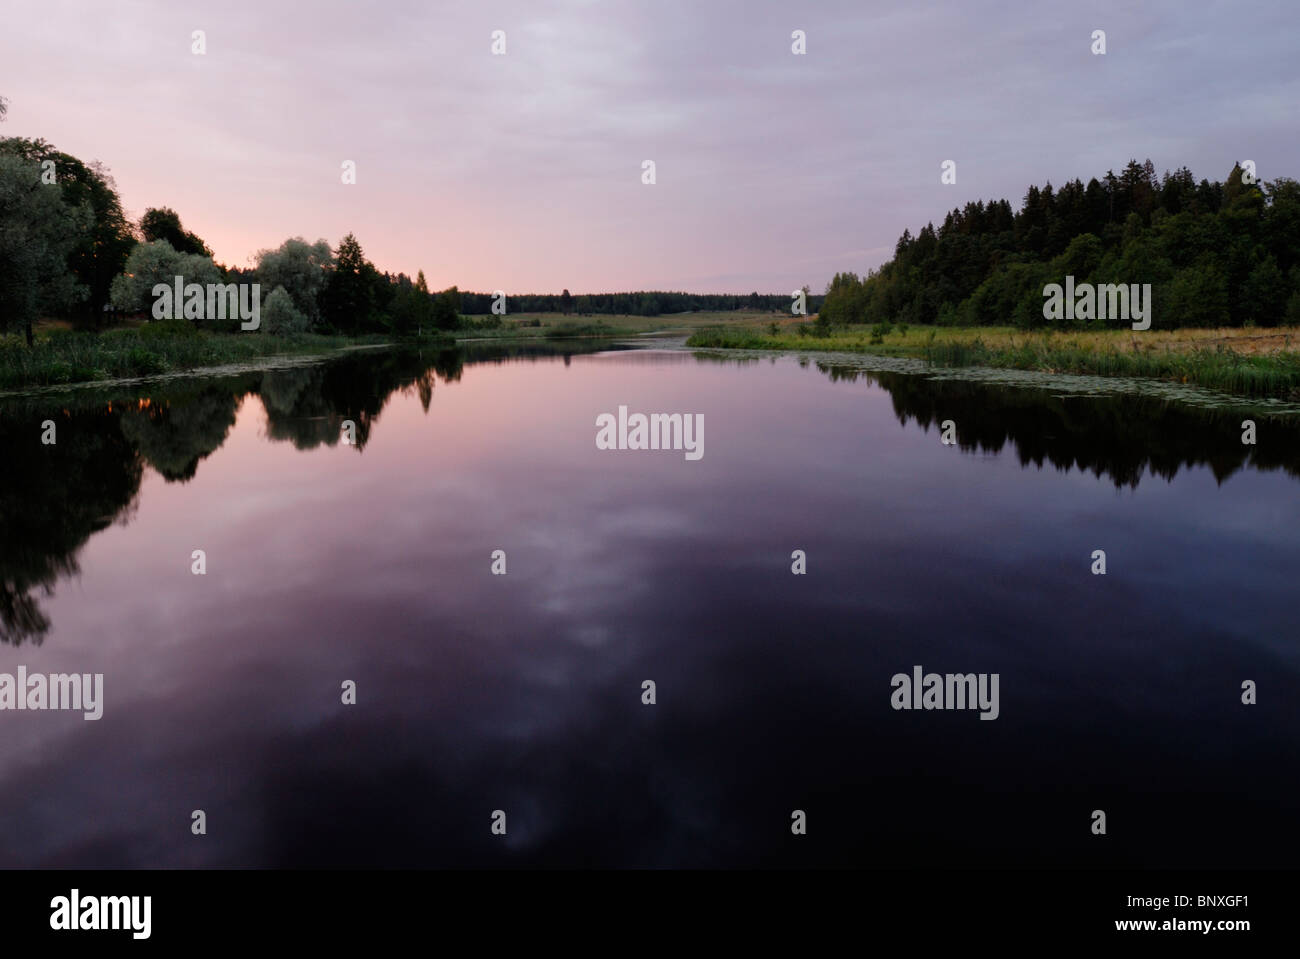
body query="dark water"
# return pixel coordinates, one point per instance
(523, 693)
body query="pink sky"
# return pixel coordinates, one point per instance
(522, 172)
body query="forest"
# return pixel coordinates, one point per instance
(1215, 254)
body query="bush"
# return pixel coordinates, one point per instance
(280, 317)
(143, 362)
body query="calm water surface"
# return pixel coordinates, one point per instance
(371, 563)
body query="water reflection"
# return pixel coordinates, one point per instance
(53, 499)
(1121, 437)
(523, 692)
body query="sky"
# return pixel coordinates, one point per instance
(523, 171)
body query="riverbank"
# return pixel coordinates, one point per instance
(1245, 362)
(62, 356)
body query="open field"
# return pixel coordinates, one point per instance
(1250, 362)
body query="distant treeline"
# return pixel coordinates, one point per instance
(1215, 254)
(646, 303)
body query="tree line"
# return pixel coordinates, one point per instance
(68, 249)
(640, 303)
(1215, 254)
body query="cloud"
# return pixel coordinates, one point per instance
(522, 172)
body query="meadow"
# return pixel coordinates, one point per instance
(1241, 360)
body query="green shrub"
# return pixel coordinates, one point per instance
(143, 362)
(280, 317)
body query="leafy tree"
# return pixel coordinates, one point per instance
(101, 250)
(1281, 233)
(157, 262)
(102, 255)
(845, 302)
(38, 232)
(1198, 296)
(385, 289)
(1080, 258)
(281, 316)
(1292, 315)
(446, 309)
(413, 308)
(424, 305)
(404, 306)
(301, 269)
(164, 223)
(1264, 294)
(348, 300)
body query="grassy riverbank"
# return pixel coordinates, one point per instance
(62, 356)
(1246, 362)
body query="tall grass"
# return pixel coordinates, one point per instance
(1221, 369)
(65, 356)
(1096, 353)
(563, 331)
(733, 338)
